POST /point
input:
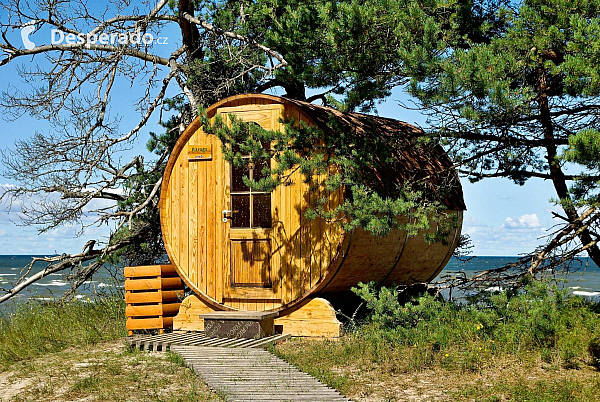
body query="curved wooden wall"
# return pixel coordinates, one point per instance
(197, 241)
(307, 257)
(394, 259)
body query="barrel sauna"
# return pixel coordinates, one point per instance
(266, 255)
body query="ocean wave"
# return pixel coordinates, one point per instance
(42, 298)
(104, 285)
(495, 289)
(582, 293)
(52, 283)
(8, 274)
(575, 287)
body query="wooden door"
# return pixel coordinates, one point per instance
(252, 277)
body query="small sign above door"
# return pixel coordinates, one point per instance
(199, 152)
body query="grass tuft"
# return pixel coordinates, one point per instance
(35, 328)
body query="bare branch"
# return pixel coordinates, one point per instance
(85, 46)
(232, 35)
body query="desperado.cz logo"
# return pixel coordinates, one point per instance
(25, 31)
(58, 37)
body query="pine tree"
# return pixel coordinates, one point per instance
(510, 99)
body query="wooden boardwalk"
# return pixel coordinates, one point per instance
(165, 341)
(250, 374)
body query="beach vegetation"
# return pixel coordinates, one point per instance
(515, 344)
(37, 328)
(105, 371)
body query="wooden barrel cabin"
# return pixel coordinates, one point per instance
(267, 256)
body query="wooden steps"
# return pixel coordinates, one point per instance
(239, 324)
(163, 342)
(254, 375)
(152, 295)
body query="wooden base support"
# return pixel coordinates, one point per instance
(314, 318)
(188, 318)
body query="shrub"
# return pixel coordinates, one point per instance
(540, 319)
(594, 349)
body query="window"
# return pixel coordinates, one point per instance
(251, 209)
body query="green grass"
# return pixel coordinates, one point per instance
(74, 351)
(37, 328)
(107, 371)
(539, 391)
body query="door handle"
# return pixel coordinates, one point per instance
(227, 214)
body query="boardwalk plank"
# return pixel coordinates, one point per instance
(240, 369)
(254, 375)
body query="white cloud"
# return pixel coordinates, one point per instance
(527, 221)
(515, 236)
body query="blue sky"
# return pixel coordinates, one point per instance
(501, 218)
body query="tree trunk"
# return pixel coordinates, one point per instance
(558, 177)
(189, 31)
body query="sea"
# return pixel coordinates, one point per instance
(585, 281)
(583, 278)
(53, 286)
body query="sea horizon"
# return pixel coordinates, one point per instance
(583, 282)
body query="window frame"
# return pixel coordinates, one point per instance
(251, 195)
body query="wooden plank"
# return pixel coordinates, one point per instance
(150, 270)
(153, 284)
(242, 293)
(149, 323)
(222, 230)
(315, 225)
(326, 231)
(276, 242)
(193, 256)
(149, 310)
(202, 221)
(212, 206)
(184, 217)
(153, 296)
(175, 211)
(335, 232)
(305, 230)
(287, 245)
(321, 225)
